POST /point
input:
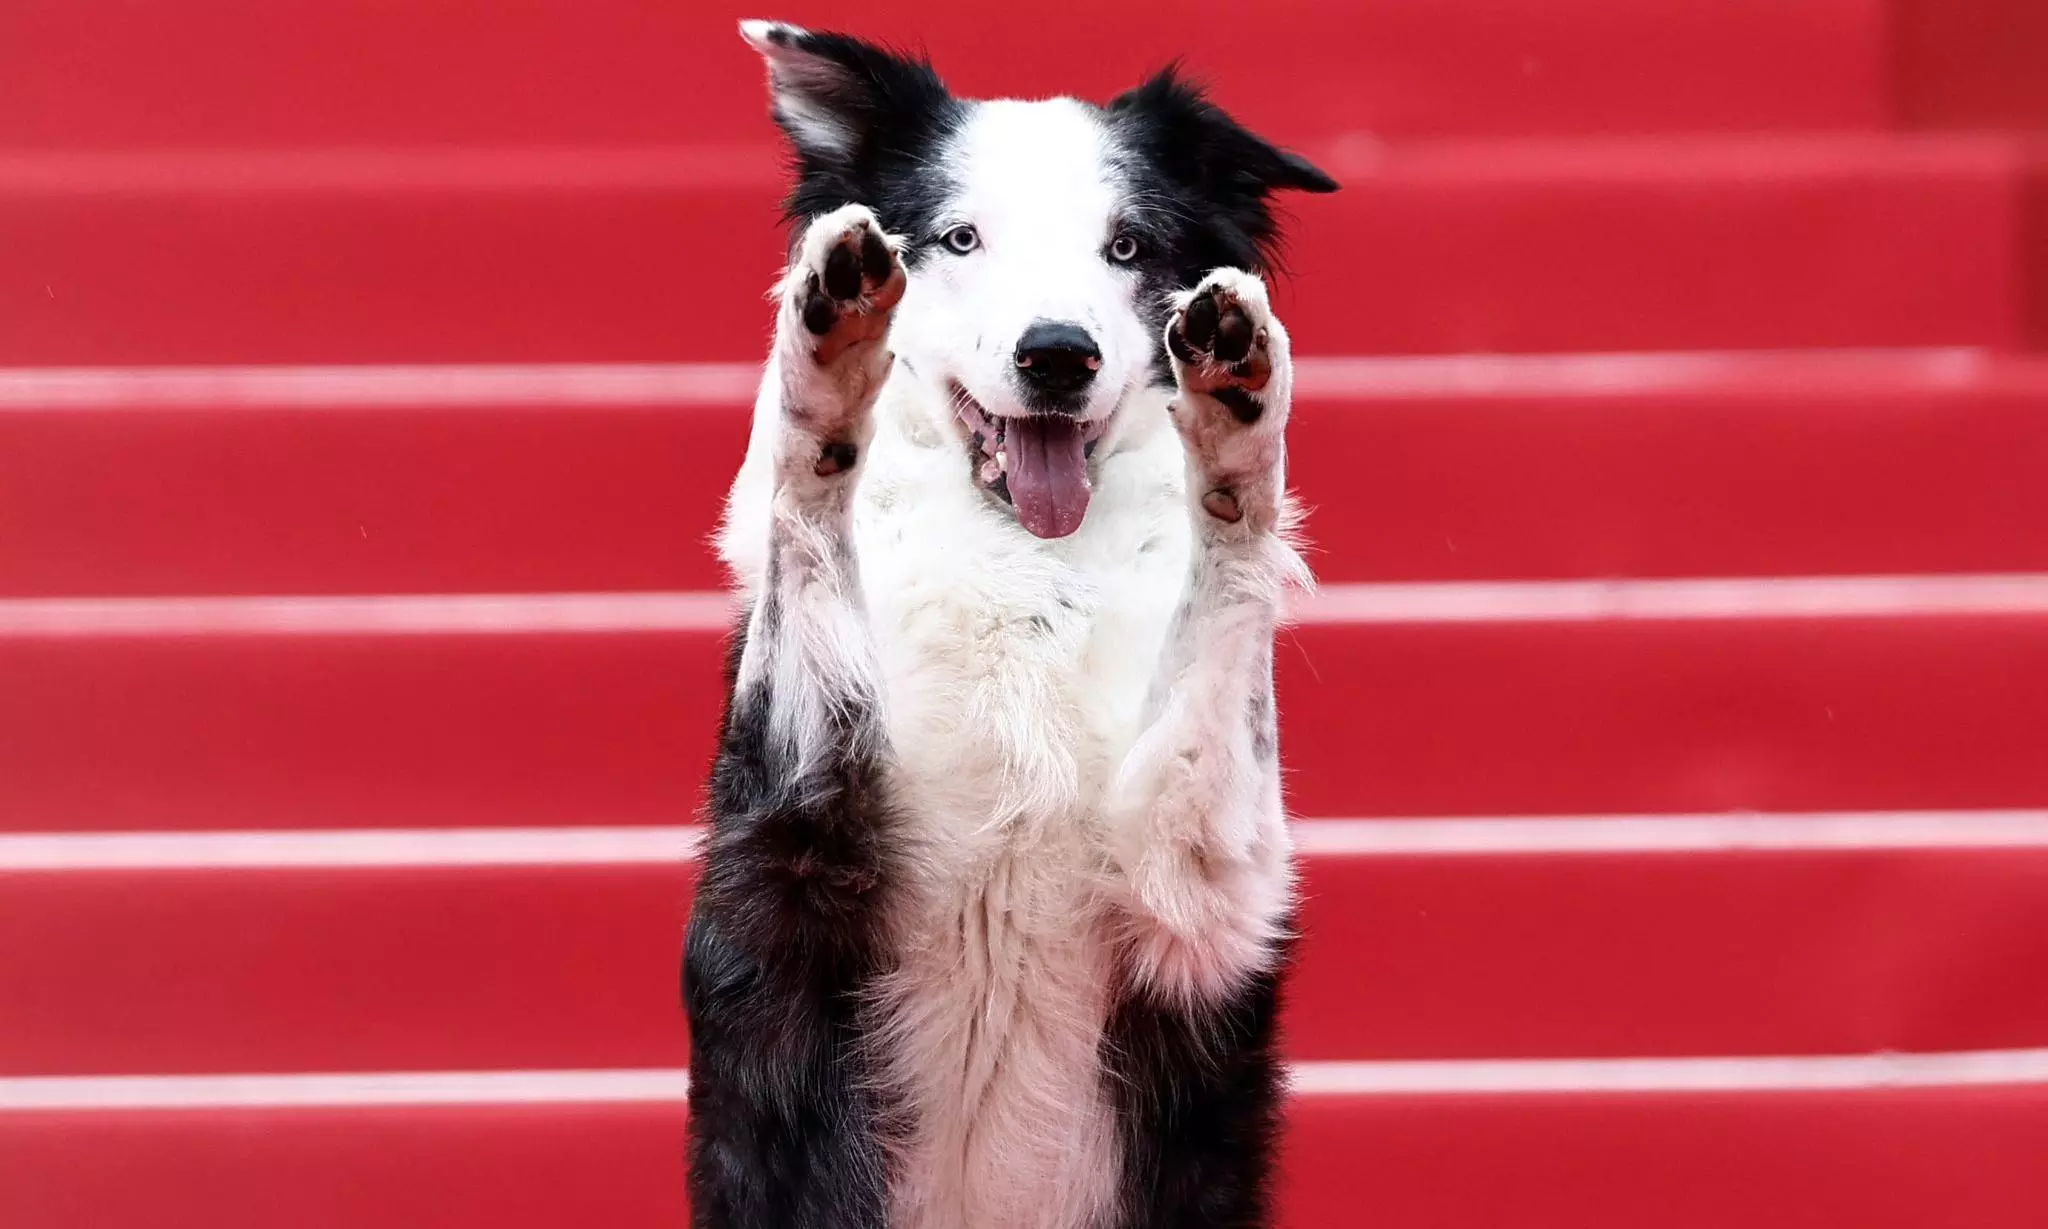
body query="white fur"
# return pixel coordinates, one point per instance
(812, 635)
(1195, 815)
(1036, 188)
(1067, 718)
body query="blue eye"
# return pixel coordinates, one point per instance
(1124, 249)
(961, 240)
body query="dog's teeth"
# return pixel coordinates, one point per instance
(991, 471)
(1002, 461)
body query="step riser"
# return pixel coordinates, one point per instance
(210, 734)
(1888, 1160)
(582, 498)
(1597, 717)
(1906, 1160)
(1430, 487)
(2034, 252)
(1675, 484)
(1437, 253)
(559, 72)
(1970, 63)
(1557, 717)
(461, 968)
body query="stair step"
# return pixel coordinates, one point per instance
(1835, 940)
(1593, 715)
(426, 497)
(328, 731)
(533, 479)
(1668, 466)
(1916, 1158)
(354, 72)
(1883, 1160)
(1396, 700)
(662, 253)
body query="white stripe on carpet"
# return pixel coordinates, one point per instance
(126, 1092)
(466, 614)
(1386, 838)
(1626, 834)
(1845, 597)
(1312, 1079)
(1667, 1075)
(1797, 597)
(378, 387)
(1352, 377)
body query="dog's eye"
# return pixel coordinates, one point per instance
(961, 239)
(1123, 249)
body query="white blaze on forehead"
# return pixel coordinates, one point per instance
(1041, 184)
(1036, 175)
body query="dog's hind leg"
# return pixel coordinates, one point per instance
(785, 1122)
(1195, 812)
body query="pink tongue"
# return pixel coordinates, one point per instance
(1048, 474)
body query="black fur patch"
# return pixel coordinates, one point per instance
(1243, 406)
(1201, 188)
(895, 114)
(786, 1123)
(1198, 1096)
(836, 458)
(1217, 175)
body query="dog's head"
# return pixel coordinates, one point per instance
(1045, 239)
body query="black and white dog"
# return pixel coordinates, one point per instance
(997, 891)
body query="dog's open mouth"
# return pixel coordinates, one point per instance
(1036, 463)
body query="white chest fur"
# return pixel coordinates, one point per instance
(1015, 675)
(1015, 669)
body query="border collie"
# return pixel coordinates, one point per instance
(996, 896)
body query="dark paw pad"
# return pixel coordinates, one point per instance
(848, 296)
(1221, 503)
(843, 272)
(1224, 349)
(1215, 328)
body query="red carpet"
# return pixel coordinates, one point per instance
(1671, 737)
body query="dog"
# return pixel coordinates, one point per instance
(996, 891)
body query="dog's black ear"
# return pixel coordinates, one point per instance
(1223, 166)
(1195, 139)
(844, 103)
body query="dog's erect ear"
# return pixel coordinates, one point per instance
(1197, 140)
(1225, 168)
(835, 96)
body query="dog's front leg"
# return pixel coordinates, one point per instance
(786, 928)
(803, 749)
(1197, 829)
(808, 650)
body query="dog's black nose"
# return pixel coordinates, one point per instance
(1057, 358)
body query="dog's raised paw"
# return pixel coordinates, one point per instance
(1221, 338)
(845, 283)
(1231, 363)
